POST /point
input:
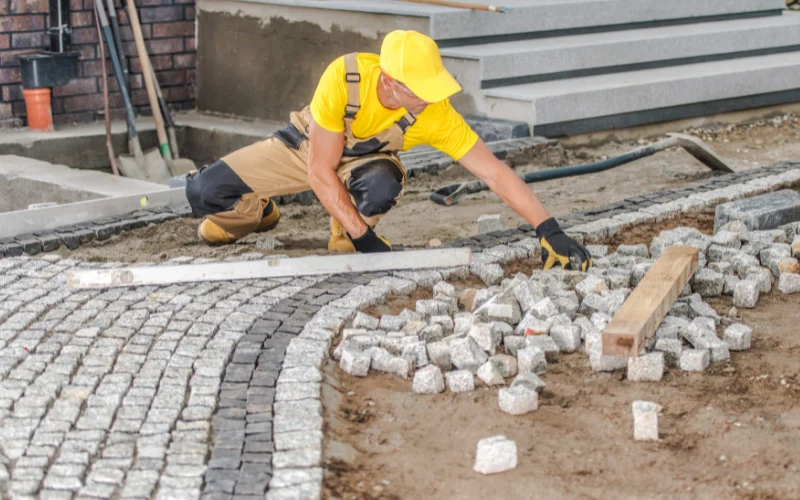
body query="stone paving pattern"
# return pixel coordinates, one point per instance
(188, 391)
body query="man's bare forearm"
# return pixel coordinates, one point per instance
(324, 155)
(333, 196)
(517, 195)
(502, 180)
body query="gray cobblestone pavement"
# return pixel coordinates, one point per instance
(208, 390)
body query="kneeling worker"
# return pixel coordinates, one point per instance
(344, 146)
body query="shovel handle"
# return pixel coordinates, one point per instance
(461, 5)
(163, 141)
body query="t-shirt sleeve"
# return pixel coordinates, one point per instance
(452, 135)
(330, 98)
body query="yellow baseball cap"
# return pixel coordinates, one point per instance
(413, 59)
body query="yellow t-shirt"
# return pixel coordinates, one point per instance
(439, 125)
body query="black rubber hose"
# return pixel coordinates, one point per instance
(447, 196)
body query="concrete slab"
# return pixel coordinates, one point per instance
(767, 211)
(27, 181)
(561, 57)
(639, 91)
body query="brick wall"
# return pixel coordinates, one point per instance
(167, 26)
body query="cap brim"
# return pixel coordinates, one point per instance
(435, 89)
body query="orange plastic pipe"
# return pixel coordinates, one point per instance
(37, 104)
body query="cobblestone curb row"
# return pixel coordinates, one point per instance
(269, 413)
(586, 226)
(76, 235)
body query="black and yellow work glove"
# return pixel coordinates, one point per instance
(371, 242)
(559, 248)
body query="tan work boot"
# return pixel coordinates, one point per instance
(211, 234)
(340, 240)
(272, 215)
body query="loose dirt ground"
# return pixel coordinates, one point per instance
(416, 220)
(729, 432)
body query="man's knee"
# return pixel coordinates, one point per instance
(214, 188)
(375, 186)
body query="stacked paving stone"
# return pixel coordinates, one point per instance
(505, 335)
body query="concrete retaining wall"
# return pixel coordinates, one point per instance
(264, 61)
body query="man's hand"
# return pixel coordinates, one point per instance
(559, 248)
(371, 242)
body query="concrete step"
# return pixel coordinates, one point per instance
(647, 96)
(540, 18)
(527, 61)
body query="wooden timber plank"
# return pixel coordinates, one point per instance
(258, 269)
(645, 308)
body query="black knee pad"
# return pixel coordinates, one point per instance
(375, 185)
(214, 188)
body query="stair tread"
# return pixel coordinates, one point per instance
(665, 34)
(532, 91)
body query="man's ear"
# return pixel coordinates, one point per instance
(386, 80)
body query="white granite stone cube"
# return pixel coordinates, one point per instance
(460, 381)
(444, 288)
(489, 374)
(417, 351)
(531, 359)
(789, 283)
(495, 454)
(506, 365)
(439, 354)
(428, 380)
(708, 283)
(745, 294)
(482, 334)
(446, 322)
(591, 284)
(488, 223)
(695, 360)
(546, 344)
(432, 333)
(566, 337)
(545, 309)
(645, 421)
(365, 321)
(737, 336)
(391, 323)
(355, 362)
(466, 354)
(646, 368)
(518, 400)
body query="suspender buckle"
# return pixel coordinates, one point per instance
(351, 110)
(352, 77)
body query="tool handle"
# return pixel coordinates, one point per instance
(107, 115)
(126, 101)
(112, 17)
(461, 5)
(144, 59)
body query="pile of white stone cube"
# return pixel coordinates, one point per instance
(511, 331)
